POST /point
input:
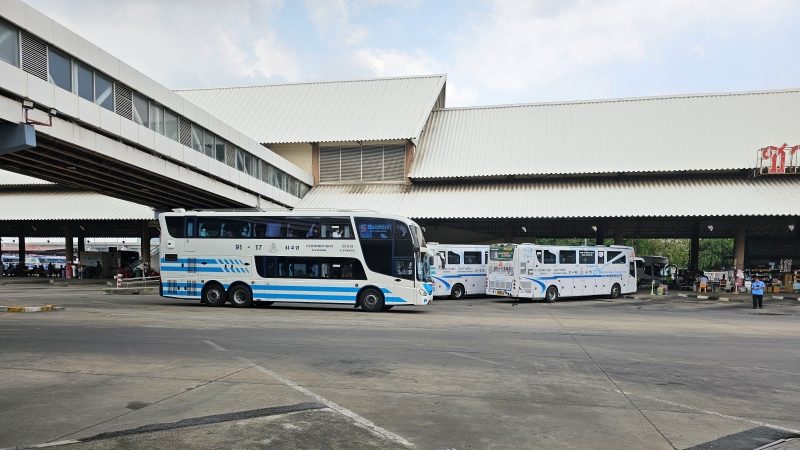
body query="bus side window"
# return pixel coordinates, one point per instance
(548, 257)
(538, 256)
(601, 257)
(190, 227)
(175, 226)
(585, 257)
(472, 258)
(486, 257)
(453, 258)
(632, 269)
(567, 257)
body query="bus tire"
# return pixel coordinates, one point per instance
(457, 293)
(213, 294)
(240, 296)
(551, 295)
(371, 300)
(615, 291)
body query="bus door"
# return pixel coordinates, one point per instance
(190, 235)
(403, 285)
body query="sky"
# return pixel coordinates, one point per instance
(493, 52)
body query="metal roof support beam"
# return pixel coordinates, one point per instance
(15, 137)
(59, 175)
(144, 183)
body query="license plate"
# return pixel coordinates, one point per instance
(500, 293)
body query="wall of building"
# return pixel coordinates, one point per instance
(298, 154)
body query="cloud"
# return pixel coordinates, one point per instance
(333, 20)
(185, 43)
(523, 45)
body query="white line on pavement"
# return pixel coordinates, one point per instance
(361, 421)
(481, 359)
(667, 402)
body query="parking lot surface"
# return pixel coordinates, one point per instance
(144, 371)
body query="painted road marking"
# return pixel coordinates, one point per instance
(666, 402)
(361, 421)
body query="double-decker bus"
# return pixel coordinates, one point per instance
(552, 271)
(365, 259)
(458, 270)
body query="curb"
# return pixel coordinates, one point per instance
(131, 291)
(29, 309)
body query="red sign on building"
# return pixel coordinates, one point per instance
(778, 160)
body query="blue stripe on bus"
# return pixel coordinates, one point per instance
(191, 269)
(555, 277)
(446, 284)
(459, 275)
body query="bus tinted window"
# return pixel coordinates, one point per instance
(472, 257)
(615, 254)
(566, 257)
(174, 226)
(336, 228)
(303, 227)
(548, 257)
(313, 268)
(601, 257)
(586, 257)
(453, 258)
(235, 228)
(207, 227)
(268, 227)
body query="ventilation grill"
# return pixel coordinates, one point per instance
(34, 56)
(351, 164)
(394, 163)
(264, 171)
(185, 132)
(230, 154)
(122, 96)
(329, 165)
(372, 161)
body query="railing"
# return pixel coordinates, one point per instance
(138, 282)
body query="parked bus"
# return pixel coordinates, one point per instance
(551, 271)
(365, 259)
(458, 270)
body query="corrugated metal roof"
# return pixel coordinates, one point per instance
(69, 205)
(696, 132)
(334, 111)
(764, 196)
(14, 179)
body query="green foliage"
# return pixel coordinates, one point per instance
(677, 250)
(716, 254)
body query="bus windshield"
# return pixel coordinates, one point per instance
(501, 252)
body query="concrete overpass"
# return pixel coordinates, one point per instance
(73, 114)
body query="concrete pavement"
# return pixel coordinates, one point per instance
(478, 373)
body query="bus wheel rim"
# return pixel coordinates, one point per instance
(213, 295)
(370, 300)
(238, 297)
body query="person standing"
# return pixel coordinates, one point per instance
(757, 289)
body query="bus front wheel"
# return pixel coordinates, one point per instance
(213, 295)
(240, 296)
(615, 291)
(457, 293)
(371, 300)
(551, 295)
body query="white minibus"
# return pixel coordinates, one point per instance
(550, 271)
(458, 270)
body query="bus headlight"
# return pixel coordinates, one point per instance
(423, 293)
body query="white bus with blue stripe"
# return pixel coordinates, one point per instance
(458, 270)
(363, 259)
(549, 272)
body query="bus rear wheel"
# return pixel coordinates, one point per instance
(615, 291)
(213, 295)
(240, 296)
(457, 293)
(551, 295)
(371, 300)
